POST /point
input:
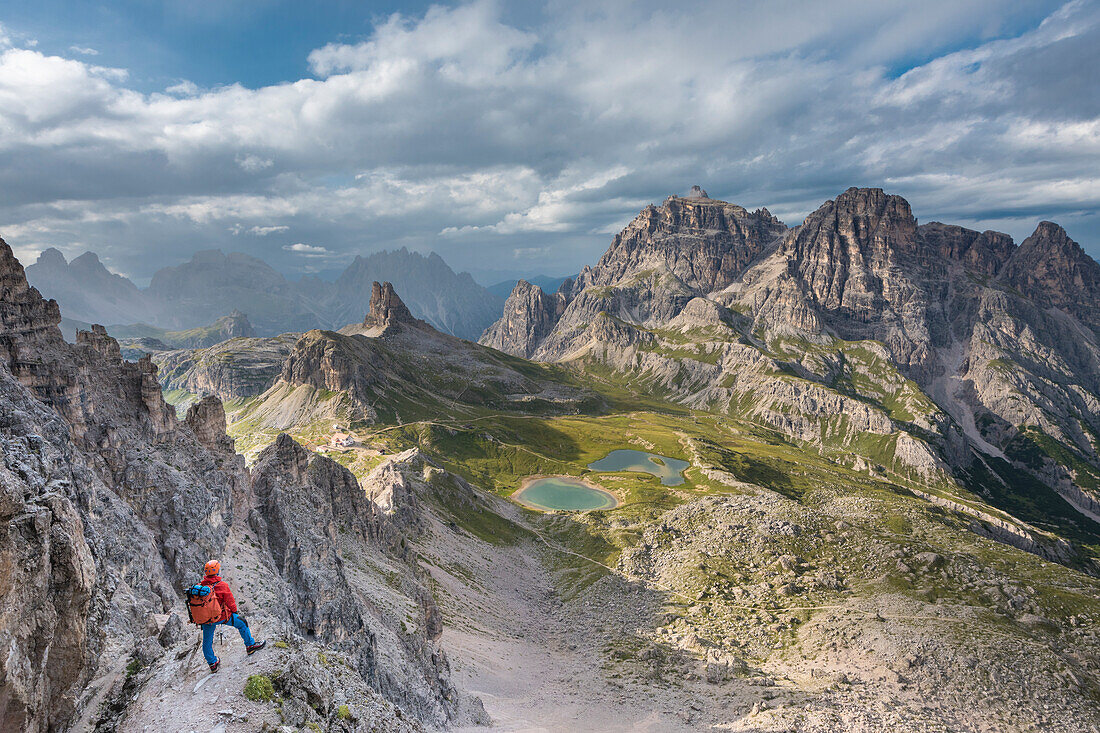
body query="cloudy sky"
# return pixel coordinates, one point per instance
(518, 137)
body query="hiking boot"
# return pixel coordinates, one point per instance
(215, 665)
(256, 647)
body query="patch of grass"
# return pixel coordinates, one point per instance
(259, 688)
(343, 712)
(898, 524)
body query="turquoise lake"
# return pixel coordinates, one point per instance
(671, 473)
(564, 493)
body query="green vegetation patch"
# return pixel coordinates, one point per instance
(259, 688)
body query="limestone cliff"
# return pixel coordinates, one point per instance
(529, 316)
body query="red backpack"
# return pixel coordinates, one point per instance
(203, 606)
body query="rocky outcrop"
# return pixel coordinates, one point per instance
(1053, 270)
(235, 325)
(231, 370)
(310, 511)
(206, 418)
(529, 317)
(387, 310)
(303, 501)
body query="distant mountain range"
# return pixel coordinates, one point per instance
(212, 284)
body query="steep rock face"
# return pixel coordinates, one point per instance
(984, 253)
(529, 317)
(309, 512)
(206, 418)
(333, 362)
(1053, 270)
(302, 501)
(666, 256)
(865, 270)
(387, 310)
(47, 632)
(703, 242)
(95, 450)
(235, 369)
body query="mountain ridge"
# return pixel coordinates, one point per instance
(212, 284)
(997, 343)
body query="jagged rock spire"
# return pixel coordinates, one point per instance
(697, 193)
(387, 308)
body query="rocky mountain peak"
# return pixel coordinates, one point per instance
(51, 257)
(530, 314)
(697, 193)
(206, 418)
(861, 227)
(387, 309)
(873, 201)
(1052, 269)
(984, 252)
(1052, 240)
(88, 260)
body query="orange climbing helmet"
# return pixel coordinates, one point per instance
(212, 568)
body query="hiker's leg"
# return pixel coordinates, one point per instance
(242, 626)
(208, 642)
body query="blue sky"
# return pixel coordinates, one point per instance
(519, 137)
(253, 43)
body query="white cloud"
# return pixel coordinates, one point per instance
(459, 131)
(260, 231)
(306, 249)
(264, 231)
(84, 50)
(184, 88)
(253, 163)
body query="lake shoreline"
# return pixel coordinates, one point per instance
(669, 471)
(587, 483)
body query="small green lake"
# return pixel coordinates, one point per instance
(669, 470)
(562, 493)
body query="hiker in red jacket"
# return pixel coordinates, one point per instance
(229, 616)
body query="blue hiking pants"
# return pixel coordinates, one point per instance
(208, 636)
